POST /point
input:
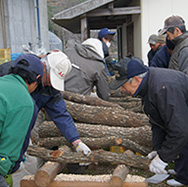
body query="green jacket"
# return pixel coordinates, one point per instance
(16, 111)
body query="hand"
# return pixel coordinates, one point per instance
(81, 147)
(152, 155)
(158, 166)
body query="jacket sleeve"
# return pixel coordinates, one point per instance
(183, 60)
(102, 85)
(158, 137)
(173, 110)
(59, 114)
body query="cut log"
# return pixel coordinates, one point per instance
(118, 93)
(86, 99)
(46, 174)
(98, 143)
(140, 135)
(127, 99)
(119, 175)
(95, 156)
(106, 115)
(95, 143)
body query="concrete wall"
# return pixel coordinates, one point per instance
(21, 24)
(154, 12)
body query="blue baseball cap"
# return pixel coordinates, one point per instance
(125, 69)
(103, 32)
(35, 64)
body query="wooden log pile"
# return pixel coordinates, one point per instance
(101, 124)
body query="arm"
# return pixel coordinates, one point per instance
(59, 114)
(174, 112)
(102, 85)
(183, 60)
(158, 137)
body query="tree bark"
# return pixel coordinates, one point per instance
(46, 174)
(106, 115)
(139, 135)
(95, 156)
(97, 143)
(86, 99)
(119, 175)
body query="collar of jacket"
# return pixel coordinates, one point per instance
(142, 89)
(180, 38)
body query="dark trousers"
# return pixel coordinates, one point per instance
(181, 166)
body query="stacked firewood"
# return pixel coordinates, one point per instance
(101, 124)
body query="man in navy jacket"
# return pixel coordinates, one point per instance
(56, 67)
(165, 101)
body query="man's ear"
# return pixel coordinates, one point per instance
(138, 79)
(177, 31)
(38, 76)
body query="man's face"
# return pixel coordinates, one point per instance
(177, 32)
(154, 47)
(131, 87)
(46, 77)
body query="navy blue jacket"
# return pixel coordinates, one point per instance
(161, 58)
(52, 100)
(165, 101)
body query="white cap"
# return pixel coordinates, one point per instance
(60, 66)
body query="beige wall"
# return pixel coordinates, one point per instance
(153, 15)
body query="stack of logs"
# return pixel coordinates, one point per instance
(101, 124)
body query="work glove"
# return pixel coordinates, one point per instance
(158, 166)
(81, 147)
(152, 155)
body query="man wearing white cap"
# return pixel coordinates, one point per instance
(56, 67)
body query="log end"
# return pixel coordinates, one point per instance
(42, 179)
(116, 181)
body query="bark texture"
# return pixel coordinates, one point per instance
(97, 143)
(106, 115)
(140, 135)
(95, 156)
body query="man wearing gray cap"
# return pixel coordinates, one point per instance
(174, 27)
(154, 45)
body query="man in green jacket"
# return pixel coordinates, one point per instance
(17, 111)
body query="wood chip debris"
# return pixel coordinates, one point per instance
(92, 178)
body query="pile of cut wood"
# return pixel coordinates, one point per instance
(101, 124)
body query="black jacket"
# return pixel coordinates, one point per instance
(165, 101)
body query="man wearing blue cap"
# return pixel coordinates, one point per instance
(159, 89)
(17, 111)
(106, 36)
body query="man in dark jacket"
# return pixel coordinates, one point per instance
(106, 37)
(162, 57)
(155, 47)
(165, 101)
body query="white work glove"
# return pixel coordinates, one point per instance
(158, 166)
(81, 147)
(152, 155)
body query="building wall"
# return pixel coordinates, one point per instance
(153, 15)
(21, 24)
